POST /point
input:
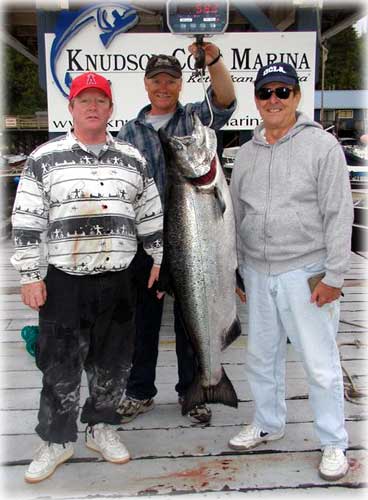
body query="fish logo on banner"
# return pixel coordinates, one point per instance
(112, 19)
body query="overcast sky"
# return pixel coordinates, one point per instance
(361, 25)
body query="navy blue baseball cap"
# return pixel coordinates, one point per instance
(276, 72)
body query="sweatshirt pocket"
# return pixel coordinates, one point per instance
(289, 231)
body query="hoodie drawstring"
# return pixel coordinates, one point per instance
(289, 157)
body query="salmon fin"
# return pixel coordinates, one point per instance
(164, 283)
(223, 393)
(232, 334)
(220, 199)
(194, 396)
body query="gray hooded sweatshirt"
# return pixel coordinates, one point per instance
(292, 202)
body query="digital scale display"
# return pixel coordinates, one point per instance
(205, 18)
(198, 9)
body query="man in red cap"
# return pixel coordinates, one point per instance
(90, 196)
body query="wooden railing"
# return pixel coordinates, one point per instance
(25, 122)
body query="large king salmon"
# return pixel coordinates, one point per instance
(199, 263)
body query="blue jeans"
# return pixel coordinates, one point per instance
(280, 307)
(141, 383)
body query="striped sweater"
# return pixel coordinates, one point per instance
(91, 209)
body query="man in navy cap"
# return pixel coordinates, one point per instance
(294, 213)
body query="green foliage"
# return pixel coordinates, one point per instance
(22, 92)
(344, 63)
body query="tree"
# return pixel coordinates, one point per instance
(344, 63)
(23, 95)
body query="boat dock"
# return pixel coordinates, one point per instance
(172, 457)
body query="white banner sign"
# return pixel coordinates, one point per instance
(124, 60)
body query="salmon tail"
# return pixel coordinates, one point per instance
(232, 334)
(223, 393)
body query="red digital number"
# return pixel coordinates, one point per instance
(207, 8)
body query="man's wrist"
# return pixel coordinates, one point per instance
(27, 278)
(215, 60)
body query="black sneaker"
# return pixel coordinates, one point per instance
(200, 414)
(130, 408)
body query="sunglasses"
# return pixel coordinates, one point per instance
(281, 92)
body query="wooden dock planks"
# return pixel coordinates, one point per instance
(170, 455)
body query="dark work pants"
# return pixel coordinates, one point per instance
(86, 323)
(141, 383)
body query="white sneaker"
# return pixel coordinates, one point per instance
(251, 436)
(105, 440)
(47, 457)
(334, 464)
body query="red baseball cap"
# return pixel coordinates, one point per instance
(89, 81)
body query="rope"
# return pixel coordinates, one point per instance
(29, 334)
(352, 324)
(351, 392)
(362, 255)
(201, 74)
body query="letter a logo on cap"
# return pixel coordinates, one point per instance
(91, 80)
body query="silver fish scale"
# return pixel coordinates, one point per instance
(200, 243)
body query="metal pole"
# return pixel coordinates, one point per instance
(324, 60)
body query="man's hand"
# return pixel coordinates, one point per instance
(221, 81)
(34, 295)
(154, 274)
(324, 294)
(211, 51)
